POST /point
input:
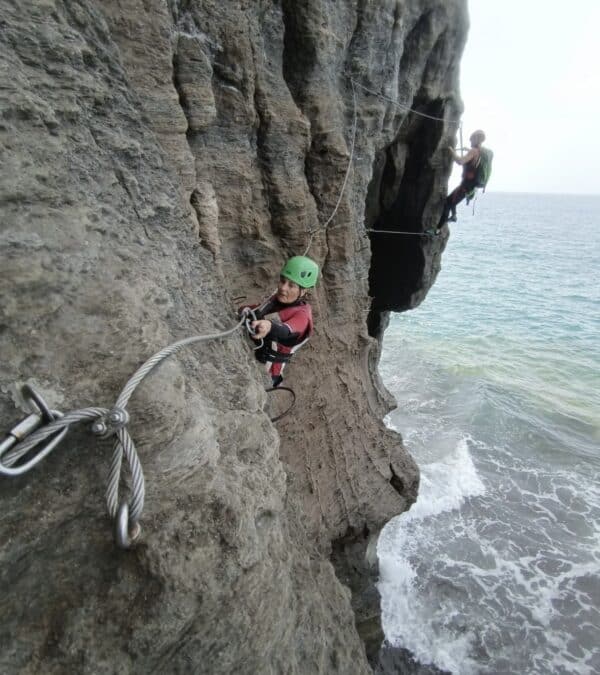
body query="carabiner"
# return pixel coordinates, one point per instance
(24, 429)
(251, 316)
(32, 395)
(20, 432)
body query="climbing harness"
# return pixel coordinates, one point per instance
(289, 408)
(273, 356)
(44, 423)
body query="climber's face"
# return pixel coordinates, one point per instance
(288, 291)
(477, 138)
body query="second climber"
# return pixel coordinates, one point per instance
(469, 182)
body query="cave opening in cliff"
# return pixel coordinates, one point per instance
(398, 194)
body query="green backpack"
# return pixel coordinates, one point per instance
(484, 168)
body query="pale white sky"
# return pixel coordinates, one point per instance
(530, 78)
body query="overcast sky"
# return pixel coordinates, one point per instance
(530, 78)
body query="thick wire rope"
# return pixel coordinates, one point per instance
(160, 356)
(113, 420)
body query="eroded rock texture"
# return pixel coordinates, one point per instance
(159, 159)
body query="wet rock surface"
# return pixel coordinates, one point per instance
(160, 159)
(401, 661)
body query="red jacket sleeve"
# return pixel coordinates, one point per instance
(298, 319)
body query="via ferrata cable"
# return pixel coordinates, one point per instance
(45, 423)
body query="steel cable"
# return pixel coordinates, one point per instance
(108, 421)
(339, 200)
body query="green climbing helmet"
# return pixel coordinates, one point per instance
(301, 270)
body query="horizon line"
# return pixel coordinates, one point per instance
(556, 194)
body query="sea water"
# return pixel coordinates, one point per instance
(496, 567)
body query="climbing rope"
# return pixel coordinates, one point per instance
(407, 108)
(29, 433)
(289, 408)
(339, 201)
(474, 200)
(404, 106)
(416, 234)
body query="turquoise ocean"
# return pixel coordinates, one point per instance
(496, 568)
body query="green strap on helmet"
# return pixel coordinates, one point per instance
(302, 271)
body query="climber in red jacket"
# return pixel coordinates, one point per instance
(290, 324)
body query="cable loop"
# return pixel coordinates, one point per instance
(125, 532)
(289, 408)
(46, 423)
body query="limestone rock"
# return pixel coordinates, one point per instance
(160, 159)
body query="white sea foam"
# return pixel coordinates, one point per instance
(444, 487)
(461, 581)
(446, 484)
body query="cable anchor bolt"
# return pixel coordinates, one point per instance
(109, 424)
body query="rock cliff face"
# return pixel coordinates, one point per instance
(158, 160)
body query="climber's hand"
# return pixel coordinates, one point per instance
(261, 329)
